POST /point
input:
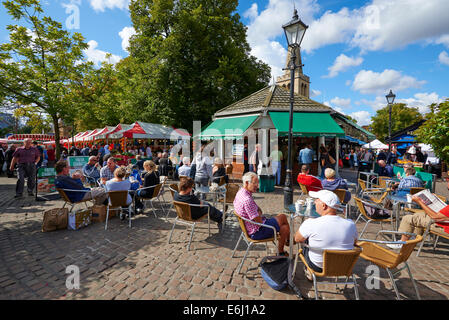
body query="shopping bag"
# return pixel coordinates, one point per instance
(55, 219)
(79, 219)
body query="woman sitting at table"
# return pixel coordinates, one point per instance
(119, 183)
(150, 179)
(186, 195)
(332, 183)
(218, 171)
(409, 181)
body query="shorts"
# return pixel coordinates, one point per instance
(264, 232)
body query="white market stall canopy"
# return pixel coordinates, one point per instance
(144, 130)
(376, 144)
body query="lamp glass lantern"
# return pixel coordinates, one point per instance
(390, 97)
(294, 30)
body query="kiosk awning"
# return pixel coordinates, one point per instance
(227, 128)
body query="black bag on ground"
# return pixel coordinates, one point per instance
(375, 212)
(277, 271)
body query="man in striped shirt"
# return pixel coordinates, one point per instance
(246, 207)
(409, 181)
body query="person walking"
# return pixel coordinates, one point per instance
(27, 158)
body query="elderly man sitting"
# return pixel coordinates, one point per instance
(312, 183)
(409, 181)
(332, 183)
(326, 232)
(107, 172)
(184, 170)
(64, 181)
(246, 207)
(91, 170)
(385, 170)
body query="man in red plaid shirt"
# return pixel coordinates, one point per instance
(246, 207)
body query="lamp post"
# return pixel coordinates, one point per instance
(294, 32)
(390, 99)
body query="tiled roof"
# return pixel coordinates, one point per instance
(272, 98)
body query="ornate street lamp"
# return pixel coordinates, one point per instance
(294, 32)
(390, 99)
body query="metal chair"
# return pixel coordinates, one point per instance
(366, 217)
(304, 190)
(433, 230)
(341, 194)
(336, 263)
(156, 195)
(173, 188)
(249, 242)
(118, 200)
(229, 169)
(184, 216)
(228, 200)
(389, 259)
(63, 194)
(415, 190)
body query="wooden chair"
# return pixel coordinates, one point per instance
(365, 216)
(63, 194)
(184, 216)
(249, 242)
(415, 190)
(228, 200)
(336, 263)
(118, 200)
(304, 190)
(389, 259)
(156, 194)
(341, 194)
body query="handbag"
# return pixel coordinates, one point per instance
(55, 219)
(331, 160)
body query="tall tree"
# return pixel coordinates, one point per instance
(194, 59)
(401, 117)
(41, 64)
(435, 131)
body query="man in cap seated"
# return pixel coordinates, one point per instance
(326, 232)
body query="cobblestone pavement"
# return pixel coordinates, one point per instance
(138, 262)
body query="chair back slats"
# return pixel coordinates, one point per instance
(304, 189)
(362, 184)
(242, 225)
(407, 249)
(63, 195)
(118, 198)
(414, 190)
(341, 193)
(340, 262)
(362, 210)
(222, 181)
(173, 188)
(229, 170)
(231, 192)
(157, 190)
(183, 210)
(383, 181)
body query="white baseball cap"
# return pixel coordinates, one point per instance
(327, 196)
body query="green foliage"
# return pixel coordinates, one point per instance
(401, 117)
(435, 131)
(189, 58)
(42, 64)
(38, 122)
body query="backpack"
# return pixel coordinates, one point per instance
(277, 271)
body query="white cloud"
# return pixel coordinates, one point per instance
(363, 118)
(444, 40)
(369, 82)
(419, 100)
(342, 63)
(125, 34)
(97, 56)
(101, 5)
(340, 102)
(422, 101)
(444, 58)
(380, 25)
(266, 25)
(315, 93)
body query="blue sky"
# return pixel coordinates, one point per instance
(354, 51)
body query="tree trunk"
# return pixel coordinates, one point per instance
(57, 138)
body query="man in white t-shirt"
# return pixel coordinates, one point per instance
(326, 232)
